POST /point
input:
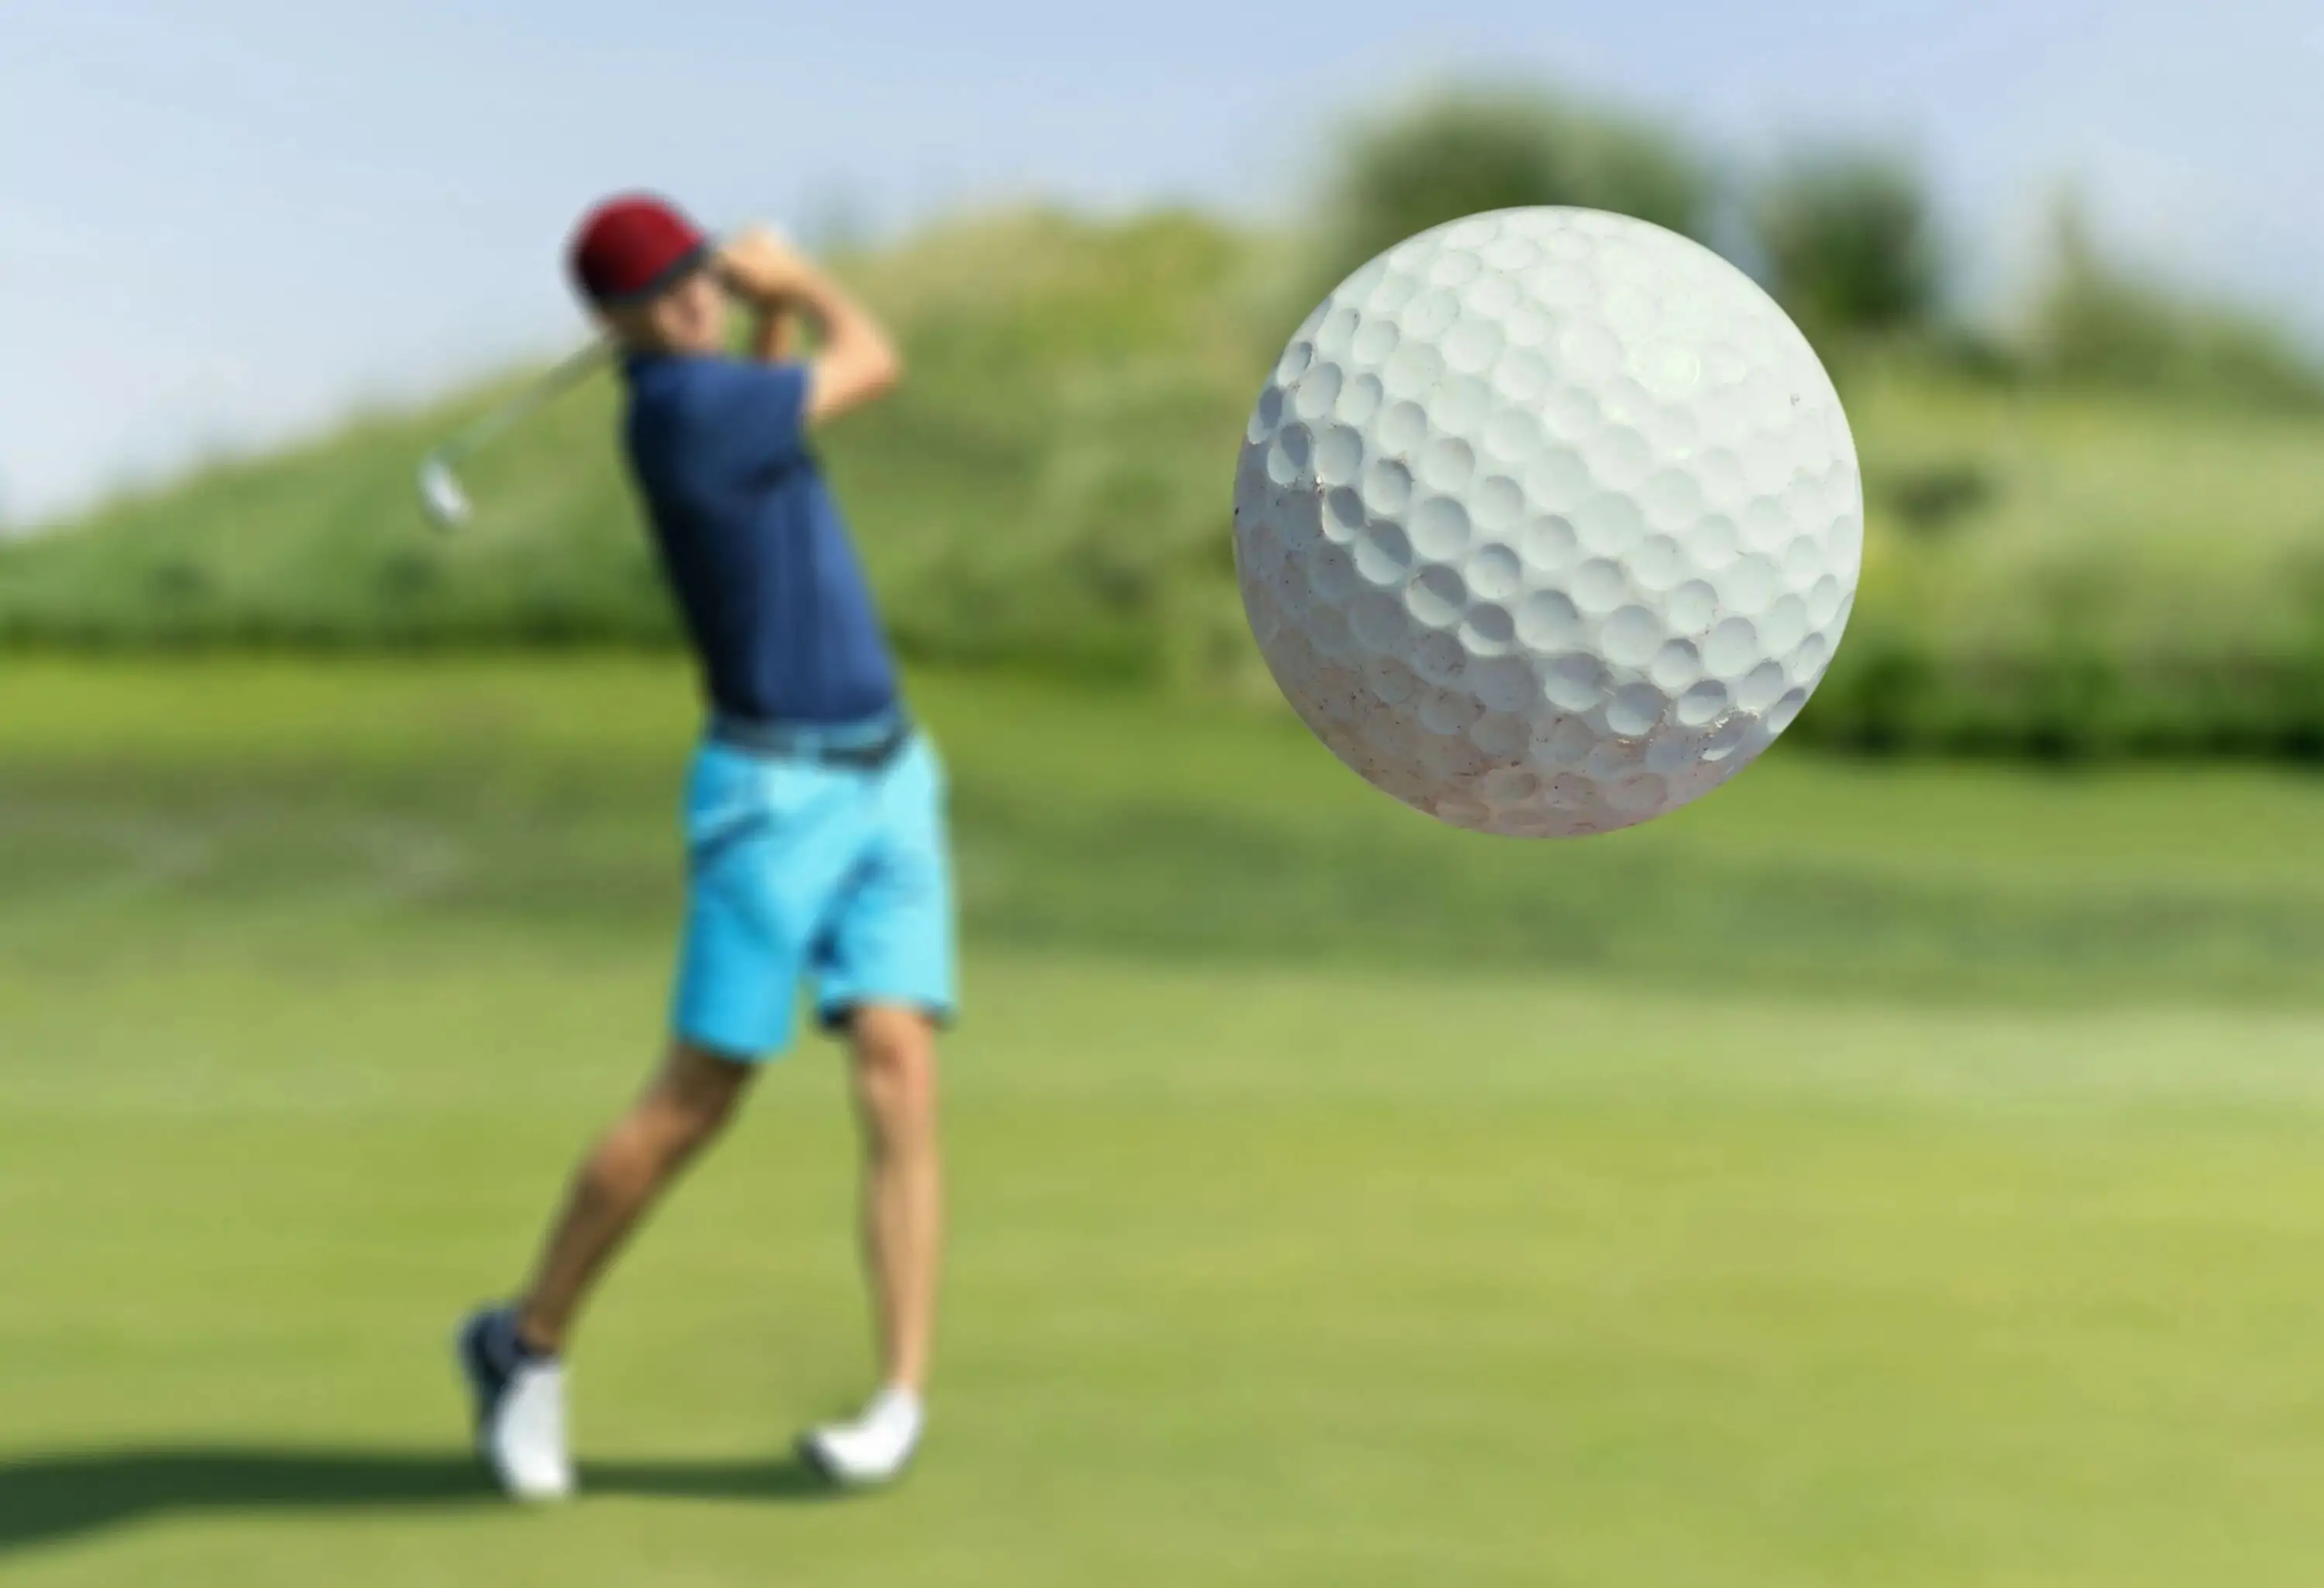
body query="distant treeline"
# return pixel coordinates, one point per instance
(1846, 236)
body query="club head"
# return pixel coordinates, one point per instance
(441, 493)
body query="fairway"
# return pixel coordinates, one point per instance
(1876, 1176)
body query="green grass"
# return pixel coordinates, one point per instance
(1872, 1176)
(453, 797)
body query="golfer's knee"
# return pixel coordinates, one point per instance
(896, 1067)
(694, 1097)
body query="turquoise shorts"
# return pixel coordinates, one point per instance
(801, 871)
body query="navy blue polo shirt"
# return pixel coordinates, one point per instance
(752, 542)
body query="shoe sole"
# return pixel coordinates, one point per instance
(812, 1457)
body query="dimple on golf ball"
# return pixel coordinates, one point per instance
(1548, 522)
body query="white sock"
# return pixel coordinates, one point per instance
(895, 1412)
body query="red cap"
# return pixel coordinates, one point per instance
(631, 248)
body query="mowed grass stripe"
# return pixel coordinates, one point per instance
(540, 798)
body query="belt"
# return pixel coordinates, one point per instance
(853, 746)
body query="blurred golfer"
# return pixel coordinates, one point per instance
(815, 822)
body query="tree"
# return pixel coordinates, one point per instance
(2095, 323)
(1480, 146)
(1850, 245)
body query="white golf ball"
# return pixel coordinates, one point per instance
(1548, 522)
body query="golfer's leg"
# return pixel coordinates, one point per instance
(886, 975)
(895, 1053)
(631, 1165)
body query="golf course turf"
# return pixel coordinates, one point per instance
(1879, 1175)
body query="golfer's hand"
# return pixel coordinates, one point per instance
(763, 268)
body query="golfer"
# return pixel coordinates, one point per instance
(815, 818)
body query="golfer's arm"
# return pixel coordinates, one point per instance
(776, 339)
(858, 362)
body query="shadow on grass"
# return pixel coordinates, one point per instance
(51, 1498)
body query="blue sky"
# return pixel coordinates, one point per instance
(226, 221)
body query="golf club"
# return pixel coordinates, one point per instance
(442, 493)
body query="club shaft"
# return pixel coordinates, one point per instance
(575, 369)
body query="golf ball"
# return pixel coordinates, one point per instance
(1548, 522)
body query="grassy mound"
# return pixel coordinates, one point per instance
(2048, 572)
